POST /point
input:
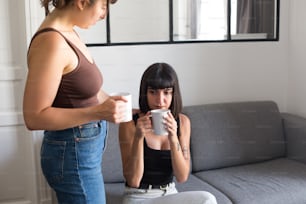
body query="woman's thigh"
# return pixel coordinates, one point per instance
(140, 196)
(187, 197)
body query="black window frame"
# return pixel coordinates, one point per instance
(171, 41)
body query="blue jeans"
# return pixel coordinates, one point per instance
(71, 162)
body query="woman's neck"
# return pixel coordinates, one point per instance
(59, 19)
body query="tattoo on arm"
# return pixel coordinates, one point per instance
(178, 146)
(184, 150)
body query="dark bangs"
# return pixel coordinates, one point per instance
(160, 80)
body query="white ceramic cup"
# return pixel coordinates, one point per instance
(128, 114)
(157, 121)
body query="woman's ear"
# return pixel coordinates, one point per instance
(81, 4)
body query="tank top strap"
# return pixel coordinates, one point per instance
(75, 49)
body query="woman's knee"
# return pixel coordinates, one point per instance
(207, 197)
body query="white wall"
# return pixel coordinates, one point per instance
(297, 64)
(208, 72)
(17, 165)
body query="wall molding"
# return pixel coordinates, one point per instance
(11, 73)
(11, 119)
(20, 202)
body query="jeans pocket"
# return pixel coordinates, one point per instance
(89, 131)
(52, 160)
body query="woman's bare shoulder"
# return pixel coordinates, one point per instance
(48, 41)
(184, 119)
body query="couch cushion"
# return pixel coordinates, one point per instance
(295, 134)
(111, 164)
(114, 192)
(238, 133)
(279, 181)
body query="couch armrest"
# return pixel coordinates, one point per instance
(295, 134)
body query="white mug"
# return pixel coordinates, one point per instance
(157, 121)
(128, 114)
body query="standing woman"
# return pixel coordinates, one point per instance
(151, 161)
(63, 97)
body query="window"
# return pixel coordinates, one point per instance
(186, 21)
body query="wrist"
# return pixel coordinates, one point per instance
(89, 113)
(138, 137)
(174, 144)
(173, 140)
(138, 134)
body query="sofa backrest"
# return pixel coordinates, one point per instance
(229, 134)
(111, 163)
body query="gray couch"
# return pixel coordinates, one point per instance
(242, 152)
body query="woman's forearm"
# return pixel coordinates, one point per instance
(58, 118)
(180, 161)
(135, 165)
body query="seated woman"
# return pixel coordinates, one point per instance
(150, 161)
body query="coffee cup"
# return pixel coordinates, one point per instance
(128, 114)
(158, 121)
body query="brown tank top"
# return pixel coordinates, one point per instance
(78, 88)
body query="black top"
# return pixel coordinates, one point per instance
(157, 163)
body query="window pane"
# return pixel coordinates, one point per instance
(199, 19)
(253, 19)
(139, 21)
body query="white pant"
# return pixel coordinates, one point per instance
(167, 196)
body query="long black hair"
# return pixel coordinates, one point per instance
(160, 76)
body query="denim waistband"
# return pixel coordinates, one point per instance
(71, 133)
